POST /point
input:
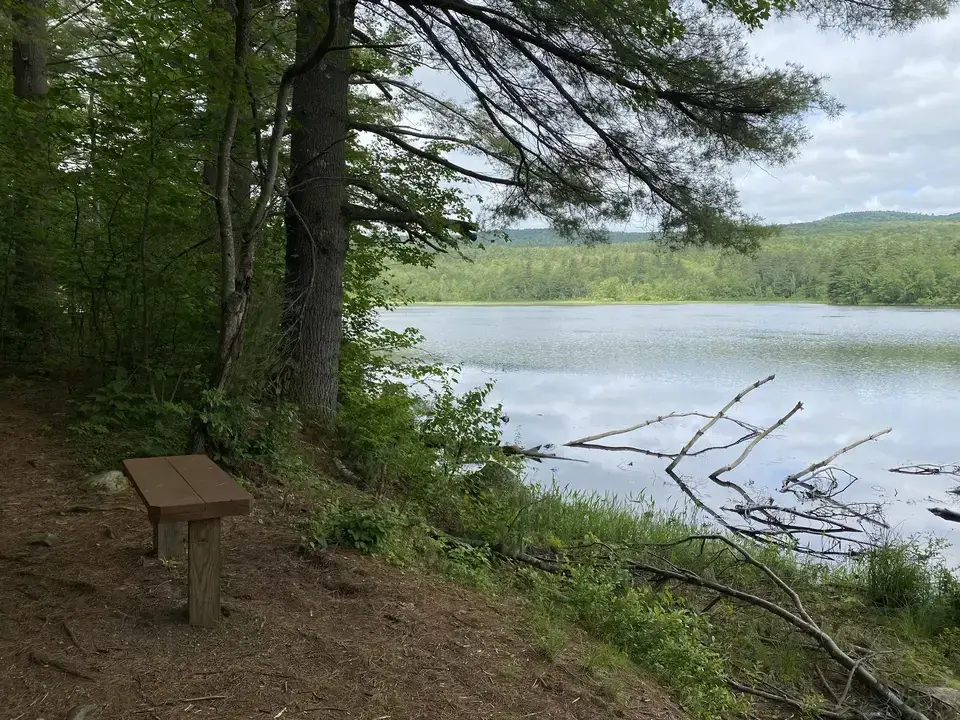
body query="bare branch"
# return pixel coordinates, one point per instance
(946, 514)
(700, 433)
(926, 469)
(790, 479)
(653, 421)
(799, 618)
(715, 475)
(823, 525)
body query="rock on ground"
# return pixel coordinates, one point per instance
(110, 481)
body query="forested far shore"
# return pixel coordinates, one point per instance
(895, 262)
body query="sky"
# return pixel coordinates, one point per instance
(896, 146)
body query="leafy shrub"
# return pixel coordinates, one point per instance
(366, 529)
(469, 565)
(897, 576)
(132, 420)
(379, 440)
(242, 429)
(121, 414)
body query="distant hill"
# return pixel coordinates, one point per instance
(849, 221)
(872, 216)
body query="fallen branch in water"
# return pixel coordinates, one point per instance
(951, 469)
(534, 453)
(946, 514)
(928, 469)
(703, 430)
(811, 469)
(653, 421)
(820, 524)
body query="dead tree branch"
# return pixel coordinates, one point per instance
(810, 469)
(799, 617)
(820, 524)
(794, 613)
(926, 469)
(703, 430)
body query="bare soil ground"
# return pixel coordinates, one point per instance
(94, 622)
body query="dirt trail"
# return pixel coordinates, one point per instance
(335, 636)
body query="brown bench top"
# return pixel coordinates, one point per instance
(186, 487)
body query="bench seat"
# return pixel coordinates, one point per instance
(191, 489)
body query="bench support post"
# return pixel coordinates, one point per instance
(204, 572)
(168, 540)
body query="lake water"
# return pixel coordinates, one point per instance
(564, 372)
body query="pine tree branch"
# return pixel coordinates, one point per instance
(435, 158)
(403, 218)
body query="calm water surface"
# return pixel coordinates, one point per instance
(564, 372)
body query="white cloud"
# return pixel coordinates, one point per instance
(894, 148)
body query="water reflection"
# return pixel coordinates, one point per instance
(567, 371)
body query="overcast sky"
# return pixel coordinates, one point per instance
(895, 147)
(897, 144)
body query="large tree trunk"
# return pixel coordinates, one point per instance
(315, 222)
(29, 64)
(30, 49)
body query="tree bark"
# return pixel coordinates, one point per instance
(316, 224)
(29, 64)
(30, 49)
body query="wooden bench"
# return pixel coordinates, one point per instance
(191, 489)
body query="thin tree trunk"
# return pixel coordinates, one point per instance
(316, 226)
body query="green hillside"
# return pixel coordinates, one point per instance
(853, 258)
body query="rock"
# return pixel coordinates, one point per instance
(81, 712)
(48, 539)
(109, 482)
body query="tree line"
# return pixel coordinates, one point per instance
(846, 263)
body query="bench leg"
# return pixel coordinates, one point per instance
(204, 572)
(168, 540)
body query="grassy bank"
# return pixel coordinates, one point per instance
(898, 605)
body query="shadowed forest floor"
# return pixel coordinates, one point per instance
(94, 620)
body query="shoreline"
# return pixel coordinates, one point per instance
(598, 303)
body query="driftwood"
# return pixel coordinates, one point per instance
(798, 616)
(817, 521)
(950, 469)
(813, 518)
